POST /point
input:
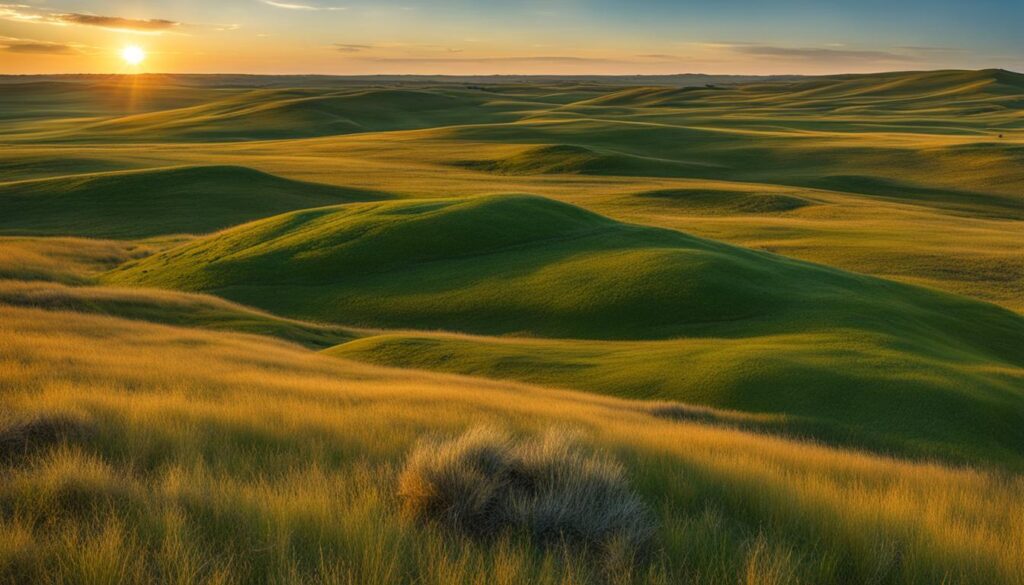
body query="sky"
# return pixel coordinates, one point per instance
(475, 37)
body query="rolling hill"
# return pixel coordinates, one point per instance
(141, 204)
(265, 114)
(669, 316)
(169, 307)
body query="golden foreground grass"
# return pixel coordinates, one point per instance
(209, 457)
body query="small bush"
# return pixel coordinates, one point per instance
(20, 438)
(484, 483)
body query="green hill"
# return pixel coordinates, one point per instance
(171, 308)
(507, 264)
(719, 201)
(288, 113)
(567, 158)
(670, 316)
(138, 204)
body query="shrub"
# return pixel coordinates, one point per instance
(484, 483)
(20, 438)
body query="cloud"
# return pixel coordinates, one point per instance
(300, 6)
(347, 48)
(659, 57)
(920, 49)
(817, 53)
(117, 23)
(38, 48)
(35, 15)
(34, 47)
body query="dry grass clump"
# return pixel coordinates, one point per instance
(22, 437)
(485, 483)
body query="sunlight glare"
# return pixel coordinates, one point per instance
(133, 55)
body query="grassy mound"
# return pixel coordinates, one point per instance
(485, 484)
(508, 264)
(138, 204)
(67, 260)
(723, 202)
(571, 159)
(555, 158)
(173, 308)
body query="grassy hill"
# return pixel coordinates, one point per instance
(853, 358)
(169, 307)
(514, 263)
(158, 453)
(140, 204)
(284, 113)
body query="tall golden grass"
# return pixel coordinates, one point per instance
(226, 458)
(68, 260)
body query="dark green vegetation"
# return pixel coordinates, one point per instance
(878, 361)
(140, 204)
(751, 266)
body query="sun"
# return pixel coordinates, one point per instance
(133, 54)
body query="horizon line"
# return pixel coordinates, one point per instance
(511, 75)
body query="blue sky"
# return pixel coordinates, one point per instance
(531, 36)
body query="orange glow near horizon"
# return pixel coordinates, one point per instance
(447, 37)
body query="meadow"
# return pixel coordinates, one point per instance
(749, 331)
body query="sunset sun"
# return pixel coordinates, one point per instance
(133, 55)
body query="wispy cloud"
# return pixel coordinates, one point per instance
(922, 49)
(817, 53)
(301, 6)
(659, 57)
(34, 47)
(117, 23)
(37, 15)
(349, 48)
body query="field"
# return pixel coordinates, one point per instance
(775, 326)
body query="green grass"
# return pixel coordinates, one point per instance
(282, 113)
(141, 204)
(66, 260)
(841, 387)
(854, 359)
(172, 308)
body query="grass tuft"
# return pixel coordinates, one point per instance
(485, 484)
(21, 437)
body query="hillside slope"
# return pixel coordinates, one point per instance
(285, 113)
(211, 457)
(139, 204)
(670, 316)
(508, 263)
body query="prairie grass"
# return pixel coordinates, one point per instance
(65, 260)
(169, 307)
(485, 484)
(223, 458)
